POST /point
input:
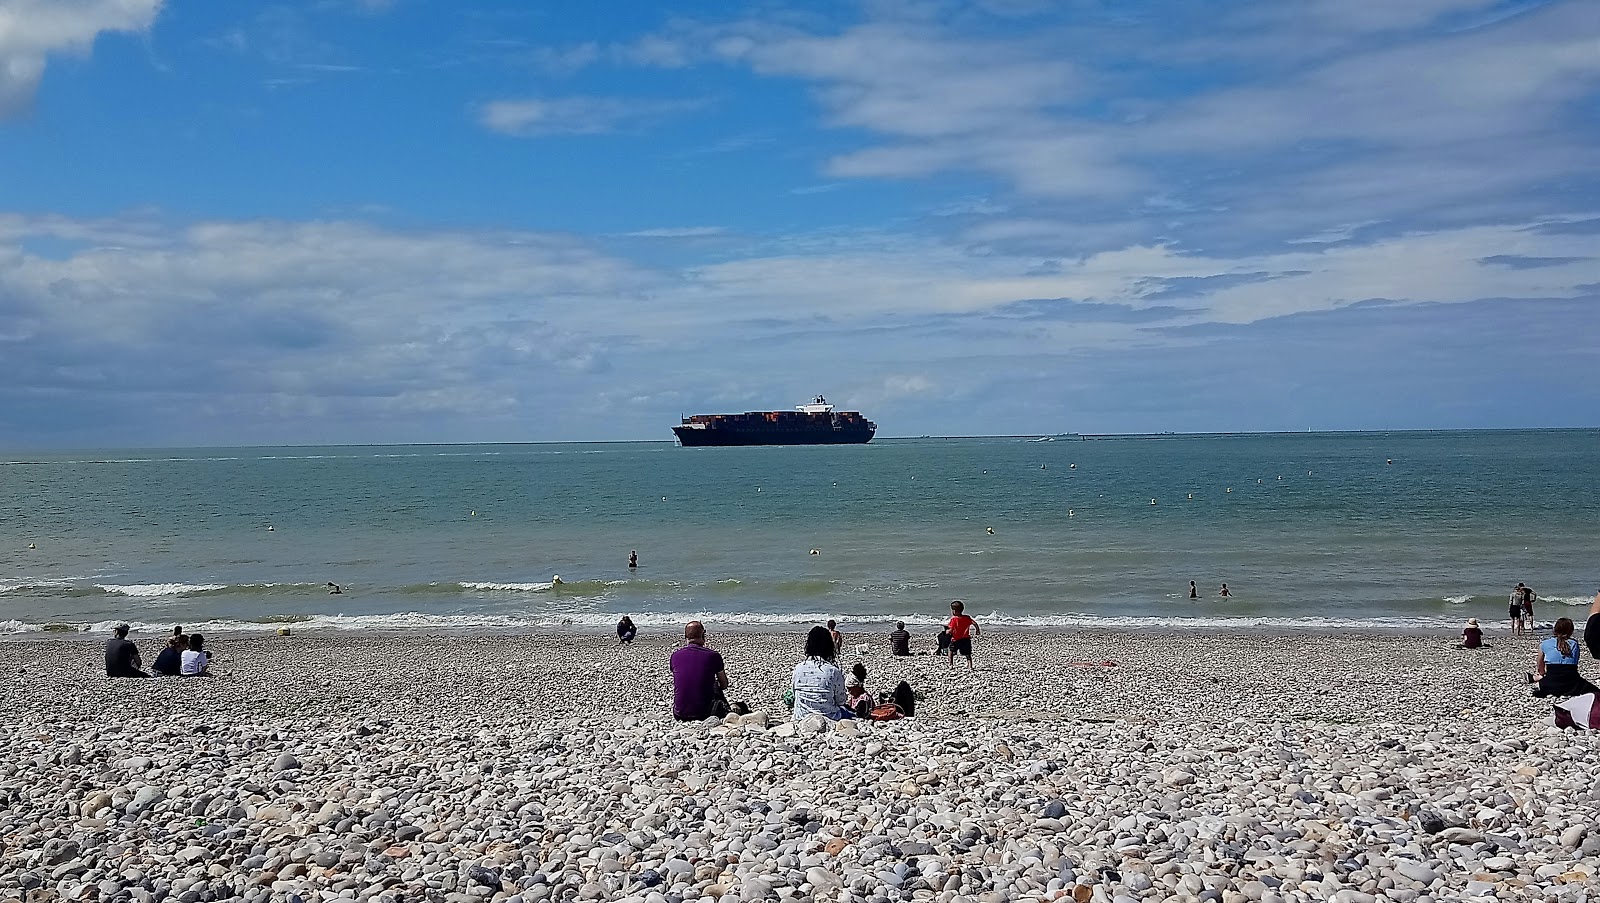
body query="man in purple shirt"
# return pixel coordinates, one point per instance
(698, 677)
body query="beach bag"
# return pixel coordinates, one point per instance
(886, 712)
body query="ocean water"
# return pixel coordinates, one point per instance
(1308, 530)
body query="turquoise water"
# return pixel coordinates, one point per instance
(1318, 530)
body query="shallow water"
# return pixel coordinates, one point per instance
(1317, 530)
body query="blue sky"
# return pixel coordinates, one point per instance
(420, 220)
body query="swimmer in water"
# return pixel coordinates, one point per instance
(1194, 591)
(1224, 591)
(335, 589)
(633, 559)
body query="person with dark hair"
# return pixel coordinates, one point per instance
(1515, 609)
(836, 636)
(1558, 664)
(170, 662)
(699, 677)
(1194, 591)
(944, 641)
(900, 639)
(962, 629)
(626, 631)
(122, 657)
(196, 661)
(818, 682)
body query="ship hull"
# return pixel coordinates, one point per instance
(727, 436)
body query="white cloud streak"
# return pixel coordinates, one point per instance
(575, 115)
(33, 30)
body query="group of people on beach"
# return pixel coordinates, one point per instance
(818, 686)
(185, 655)
(1556, 668)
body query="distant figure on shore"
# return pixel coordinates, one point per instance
(1591, 628)
(335, 589)
(633, 560)
(626, 631)
(1515, 610)
(1558, 664)
(1194, 591)
(169, 663)
(900, 639)
(1472, 635)
(699, 677)
(835, 635)
(818, 683)
(196, 661)
(122, 657)
(944, 641)
(1224, 592)
(962, 630)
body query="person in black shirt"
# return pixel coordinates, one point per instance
(122, 657)
(170, 662)
(900, 639)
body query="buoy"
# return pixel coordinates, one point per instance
(474, 514)
(1072, 467)
(1152, 501)
(663, 498)
(283, 631)
(1230, 488)
(1191, 496)
(1069, 512)
(1041, 467)
(30, 545)
(991, 530)
(1280, 476)
(269, 528)
(816, 551)
(1390, 461)
(758, 488)
(1258, 482)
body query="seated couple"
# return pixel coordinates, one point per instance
(820, 688)
(185, 656)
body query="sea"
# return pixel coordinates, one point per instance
(1395, 531)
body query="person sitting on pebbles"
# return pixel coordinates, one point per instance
(858, 697)
(170, 662)
(626, 631)
(1472, 636)
(122, 656)
(699, 677)
(1558, 664)
(818, 682)
(196, 661)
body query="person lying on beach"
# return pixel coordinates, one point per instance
(195, 661)
(1472, 636)
(900, 639)
(818, 682)
(699, 677)
(122, 657)
(170, 662)
(1558, 664)
(626, 631)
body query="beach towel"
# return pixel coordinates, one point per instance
(1580, 712)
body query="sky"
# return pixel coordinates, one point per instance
(379, 221)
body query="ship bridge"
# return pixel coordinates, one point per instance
(820, 406)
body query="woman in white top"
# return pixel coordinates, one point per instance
(195, 658)
(818, 682)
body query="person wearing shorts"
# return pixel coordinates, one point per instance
(962, 630)
(1515, 609)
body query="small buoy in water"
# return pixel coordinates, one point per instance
(1069, 512)
(283, 631)
(30, 545)
(1280, 476)
(991, 530)
(1230, 488)
(758, 488)
(1072, 467)
(816, 551)
(915, 477)
(1258, 482)
(1390, 461)
(1041, 467)
(1152, 501)
(1191, 496)
(269, 528)
(474, 514)
(663, 498)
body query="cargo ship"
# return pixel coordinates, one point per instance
(808, 424)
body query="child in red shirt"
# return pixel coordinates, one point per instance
(962, 630)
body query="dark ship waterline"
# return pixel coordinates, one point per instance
(808, 424)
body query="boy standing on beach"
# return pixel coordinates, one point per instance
(962, 630)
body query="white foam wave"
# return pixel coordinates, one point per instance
(1458, 600)
(1567, 600)
(509, 587)
(863, 629)
(156, 590)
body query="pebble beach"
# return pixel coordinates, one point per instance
(513, 769)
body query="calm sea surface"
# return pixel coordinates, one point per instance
(1306, 529)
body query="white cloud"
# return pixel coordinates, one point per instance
(32, 30)
(575, 115)
(678, 232)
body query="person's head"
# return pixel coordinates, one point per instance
(120, 631)
(819, 644)
(1519, 584)
(1563, 634)
(695, 632)
(627, 620)
(832, 624)
(178, 630)
(178, 641)
(899, 625)
(957, 607)
(1472, 622)
(859, 672)
(197, 643)
(853, 681)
